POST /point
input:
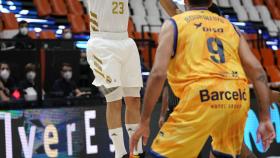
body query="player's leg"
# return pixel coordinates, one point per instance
(181, 137)
(106, 68)
(131, 78)
(245, 153)
(228, 133)
(132, 114)
(188, 127)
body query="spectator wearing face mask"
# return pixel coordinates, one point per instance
(65, 86)
(68, 42)
(28, 85)
(7, 83)
(24, 40)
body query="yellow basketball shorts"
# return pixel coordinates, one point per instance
(216, 108)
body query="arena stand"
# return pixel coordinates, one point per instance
(259, 21)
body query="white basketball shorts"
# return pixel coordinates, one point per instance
(115, 61)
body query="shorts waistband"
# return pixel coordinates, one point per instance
(109, 35)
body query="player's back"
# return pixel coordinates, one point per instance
(207, 48)
(108, 16)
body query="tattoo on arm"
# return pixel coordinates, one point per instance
(262, 77)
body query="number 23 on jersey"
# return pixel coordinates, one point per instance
(118, 7)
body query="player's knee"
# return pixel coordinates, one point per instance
(131, 92)
(112, 94)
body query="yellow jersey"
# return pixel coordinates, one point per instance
(205, 47)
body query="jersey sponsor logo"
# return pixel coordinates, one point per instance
(212, 29)
(206, 95)
(197, 25)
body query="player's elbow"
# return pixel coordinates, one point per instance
(158, 74)
(254, 71)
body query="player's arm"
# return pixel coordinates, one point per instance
(158, 74)
(169, 6)
(164, 106)
(155, 82)
(256, 73)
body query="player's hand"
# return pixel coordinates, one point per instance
(266, 134)
(143, 131)
(161, 121)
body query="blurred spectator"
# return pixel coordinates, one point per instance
(25, 40)
(68, 42)
(65, 86)
(7, 83)
(3, 93)
(66, 33)
(28, 85)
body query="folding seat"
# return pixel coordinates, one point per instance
(251, 39)
(87, 22)
(268, 63)
(278, 58)
(258, 2)
(267, 20)
(278, 3)
(58, 7)
(253, 13)
(267, 56)
(138, 8)
(247, 3)
(155, 23)
(43, 7)
(77, 23)
(241, 13)
(47, 34)
(273, 73)
(10, 28)
(75, 7)
(257, 54)
(144, 53)
(274, 10)
(140, 35)
(32, 34)
(131, 28)
(235, 2)
(277, 22)
(155, 37)
(139, 21)
(150, 6)
(224, 3)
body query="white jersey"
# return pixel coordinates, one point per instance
(108, 16)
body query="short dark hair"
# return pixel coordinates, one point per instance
(30, 67)
(23, 23)
(200, 3)
(65, 65)
(4, 63)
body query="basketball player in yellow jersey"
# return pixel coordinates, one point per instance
(207, 64)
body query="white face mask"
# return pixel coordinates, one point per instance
(5, 74)
(31, 75)
(23, 30)
(67, 75)
(67, 35)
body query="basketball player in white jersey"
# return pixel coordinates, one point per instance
(115, 62)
